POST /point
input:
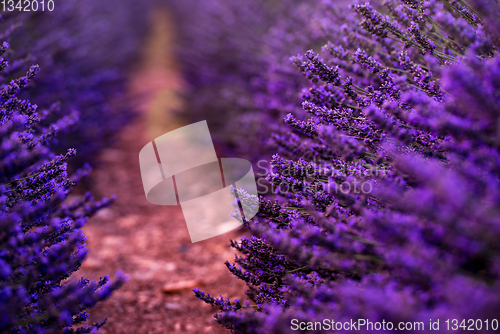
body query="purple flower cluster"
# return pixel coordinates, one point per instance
(41, 241)
(410, 88)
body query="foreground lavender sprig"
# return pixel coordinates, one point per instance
(413, 96)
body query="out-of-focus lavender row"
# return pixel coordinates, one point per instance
(84, 50)
(234, 56)
(408, 89)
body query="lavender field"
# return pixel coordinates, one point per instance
(373, 129)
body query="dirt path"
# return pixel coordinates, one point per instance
(151, 243)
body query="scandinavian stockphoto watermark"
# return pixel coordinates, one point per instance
(355, 180)
(182, 168)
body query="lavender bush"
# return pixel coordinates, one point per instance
(387, 193)
(41, 242)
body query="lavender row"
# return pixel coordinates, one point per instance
(83, 52)
(408, 87)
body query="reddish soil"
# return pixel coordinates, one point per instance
(151, 243)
